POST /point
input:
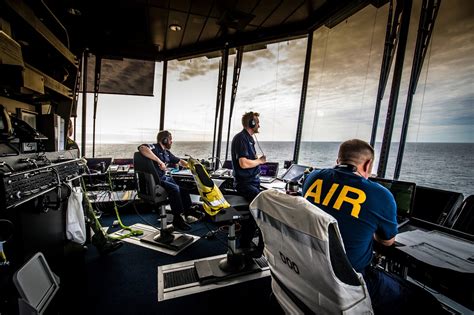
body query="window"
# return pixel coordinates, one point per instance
(270, 83)
(342, 86)
(123, 122)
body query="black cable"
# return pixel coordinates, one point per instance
(2, 164)
(258, 144)
(141, 217)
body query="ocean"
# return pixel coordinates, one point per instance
(447, 166)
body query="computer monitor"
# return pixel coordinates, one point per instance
(123, 162)
(294, 172)
(227, 164)
(269, 169)
(403, 192)
(99, 164)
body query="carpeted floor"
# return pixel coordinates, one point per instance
(125, 281)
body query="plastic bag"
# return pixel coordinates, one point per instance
(75, 222)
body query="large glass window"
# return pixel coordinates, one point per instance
(343, 81)
(440, 141)
(270, 84)
(122, 123)
(190, 105)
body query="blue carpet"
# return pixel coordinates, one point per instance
(125, 281)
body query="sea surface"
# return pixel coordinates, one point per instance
(448, 166)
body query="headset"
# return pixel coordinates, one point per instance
(252, 123)
(350, 167)
(165, 140)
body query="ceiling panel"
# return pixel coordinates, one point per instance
(263, 10)
(158, 26)
(193, 29)
(283, 12)
(173, 39)
(210, 30)
(140, 28)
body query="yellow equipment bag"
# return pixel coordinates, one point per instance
(211, 195)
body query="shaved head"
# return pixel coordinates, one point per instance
(355, 152)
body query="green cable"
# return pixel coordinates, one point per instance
(124, 227)
(97, 223)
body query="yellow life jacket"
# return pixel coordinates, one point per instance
(213, 200)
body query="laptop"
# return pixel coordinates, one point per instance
(268, 172)
(404, 194)
(225, 170)
(293, 173)
(99, 164)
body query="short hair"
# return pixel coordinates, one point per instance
(247, 116)
(162, 134)
(355, 152)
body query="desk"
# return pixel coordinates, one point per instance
(109, 196)
(120, 180)
(276, 184)
(436, 259)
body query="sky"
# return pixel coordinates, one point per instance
(343, 82)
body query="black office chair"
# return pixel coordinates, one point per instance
(464, 221)
(150, 190)
(221, 208)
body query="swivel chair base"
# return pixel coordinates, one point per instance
(215, 270)
(167, 239)
(232, 263)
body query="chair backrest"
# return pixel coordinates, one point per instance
(36, 284)
(147, 179)
(465, 219)
(309, 267)
(212, 197)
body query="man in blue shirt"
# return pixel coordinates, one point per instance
(246, 169)
(365, 212)
(180, 201)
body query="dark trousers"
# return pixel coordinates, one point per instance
(249, 226)
(391, 294)
(179, 198)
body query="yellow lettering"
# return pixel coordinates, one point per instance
(361, 197)
(330, 193)
(315, 191)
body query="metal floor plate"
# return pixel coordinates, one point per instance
(147, 229)
(180, 279)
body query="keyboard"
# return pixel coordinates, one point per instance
(266, 179)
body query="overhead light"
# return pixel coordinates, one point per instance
(74, 11)
(175, 27)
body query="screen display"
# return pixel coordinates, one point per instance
(294, 173)
(403, 192)
(99, 164)
(269, 169)
(227, 164)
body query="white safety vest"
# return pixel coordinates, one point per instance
(296, 237)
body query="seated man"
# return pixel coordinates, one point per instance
(365, 212)
(180, 201)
